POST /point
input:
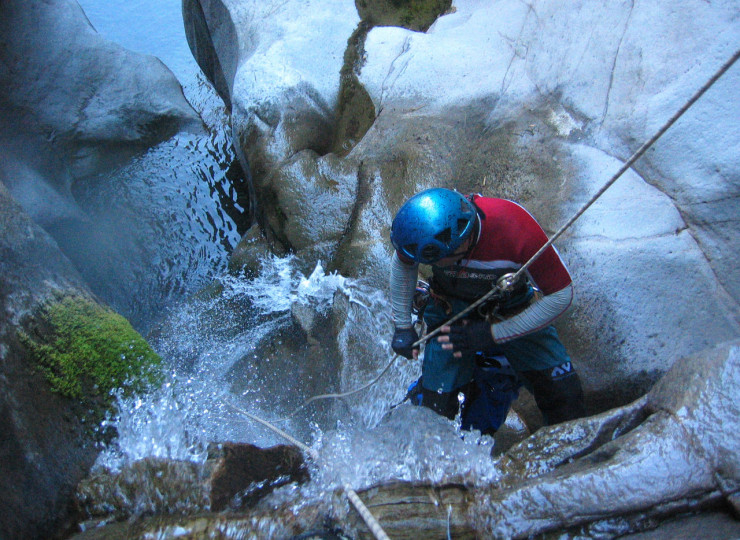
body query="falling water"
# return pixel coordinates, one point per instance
(371, 438)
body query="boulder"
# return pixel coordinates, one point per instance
(75, 104)
(50, 411)
(44, 448)
(234, 477)
(283, 103)
(682, 457)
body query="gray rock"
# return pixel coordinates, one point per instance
(283, 101)
(682, 457)
(235, 476)
(45, 448)
(74, 104)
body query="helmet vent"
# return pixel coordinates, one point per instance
(461, 224)
(445, 236)
(430, 252)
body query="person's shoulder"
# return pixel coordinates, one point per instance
(496, 205)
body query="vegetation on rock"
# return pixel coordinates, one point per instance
(412, 14)
(86, 350)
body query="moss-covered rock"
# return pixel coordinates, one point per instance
(86, 350)
(412, 14)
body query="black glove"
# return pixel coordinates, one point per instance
(471, 336)
(403, 339)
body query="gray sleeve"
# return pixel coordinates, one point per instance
(538, 315)
(403, 286)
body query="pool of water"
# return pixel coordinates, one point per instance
(163, 226)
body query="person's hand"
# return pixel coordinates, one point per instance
(403, 341)
(469, 336)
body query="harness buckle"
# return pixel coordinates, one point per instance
(511, 297)
(421, 298)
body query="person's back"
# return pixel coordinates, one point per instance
(471, 243)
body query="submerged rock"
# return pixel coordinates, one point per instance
(234, 477)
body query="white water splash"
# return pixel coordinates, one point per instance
(411, 444)
(279, 285)
(371, 442)
(190, 410)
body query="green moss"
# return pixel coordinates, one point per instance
(85, 350)
(412, 14)
(356, 111)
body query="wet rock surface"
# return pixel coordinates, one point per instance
(508, 101)
(75, 104)
(651, 464)
(481, 101)
(234, 477)
(45, 448)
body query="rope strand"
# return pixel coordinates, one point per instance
(351, 494)
(627, 164)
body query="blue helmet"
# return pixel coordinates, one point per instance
(432, 225)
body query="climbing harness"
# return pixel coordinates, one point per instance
(351, 494)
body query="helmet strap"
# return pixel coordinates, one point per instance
(475, 235)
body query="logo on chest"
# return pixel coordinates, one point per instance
(469, 274)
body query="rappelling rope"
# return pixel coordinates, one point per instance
(513, 279)
(627, 164)
(351, 494)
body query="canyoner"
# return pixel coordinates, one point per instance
(475, 245)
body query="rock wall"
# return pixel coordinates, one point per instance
(72, 105)
(45, 447)
(535, 102)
